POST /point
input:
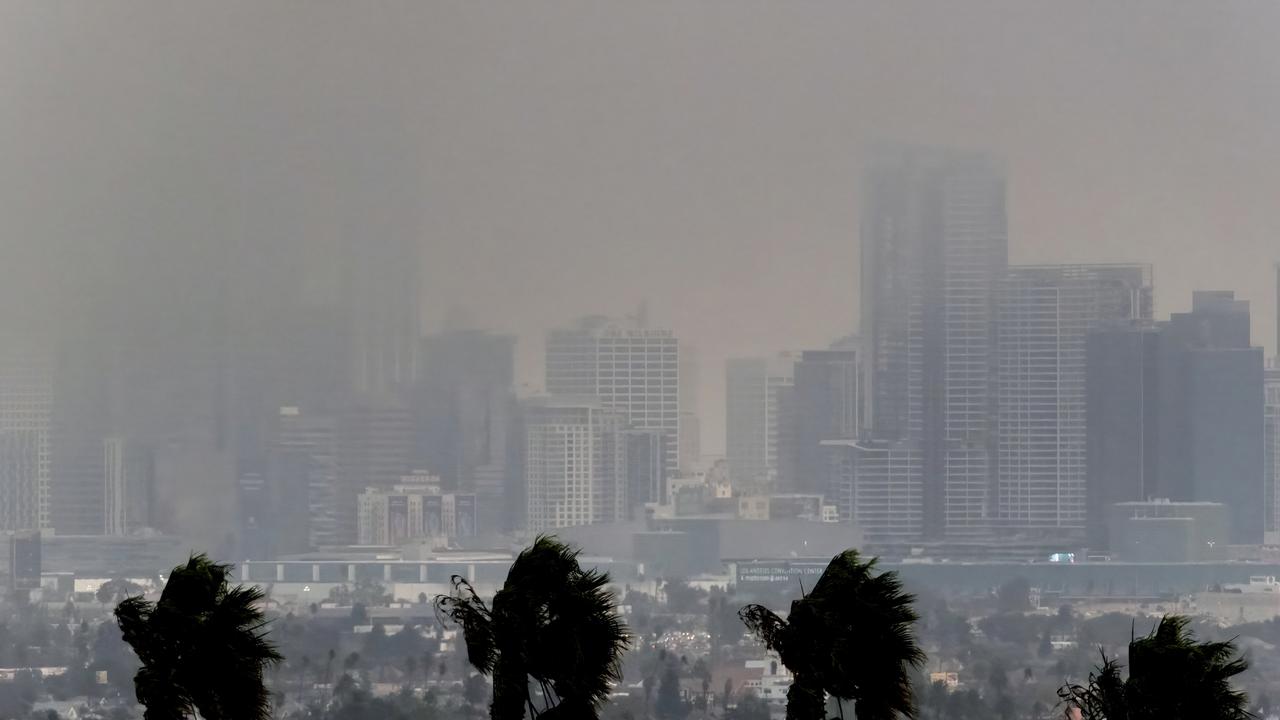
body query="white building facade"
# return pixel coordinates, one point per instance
(628, 366)
(575, 463)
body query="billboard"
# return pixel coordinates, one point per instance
(397, 519)
(795, 507)
(433, 515)
(780, 573)
(465, 508)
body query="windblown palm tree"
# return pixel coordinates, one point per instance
(552, 623)
(851, 637)
(1171, 675)
(203, 647)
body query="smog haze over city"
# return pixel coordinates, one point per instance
(360, 298)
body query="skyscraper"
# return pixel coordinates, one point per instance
(825, 399)
(753, 387)
(1122, 420)
(1211, 392)
(127, 490)
(575, 463)
(26, 395)
(307, 444)
(625, 364)
(690, 423)
(646, 470)
(1044, 317)
(464, 406)
(1271, 453)
(374, 450)
(934, 247)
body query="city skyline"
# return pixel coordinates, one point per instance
(663, 145)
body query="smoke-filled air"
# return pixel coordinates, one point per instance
(672, 360)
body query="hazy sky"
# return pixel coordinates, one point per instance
(579, 157)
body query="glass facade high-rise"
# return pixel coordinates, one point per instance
(1044, 317)
(1176, 411)
(1121, 421)
(1211, 433)
(934, 248)
(26, 395)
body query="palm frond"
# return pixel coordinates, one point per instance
(464, 608)
(1171, 674)
(203, 646)
(1103, 697)
(766, 625)
(579, 649)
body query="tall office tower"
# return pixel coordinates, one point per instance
(361, 221)
(575, 463)
(1211, 414)
(464, 407)
(628, 366)
(825, 400)
(81, 422)
(375, 449)
(934, 246)
(128, 490)
(1271, 453)
(382, 287)
(753, 387)
(877, 485)
(307, 444)
(646, 470)
(1044, 317)
(1122, 371)
(690, 434)
(26, 397)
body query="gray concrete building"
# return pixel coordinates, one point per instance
(878, 485)
(824, 405)
(753, 390)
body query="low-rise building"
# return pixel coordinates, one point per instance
(415, 509)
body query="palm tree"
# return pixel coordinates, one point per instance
(203, 646)
(851, 637)
(1171, 675)
(553, 623)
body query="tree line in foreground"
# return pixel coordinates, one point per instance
(552, 643)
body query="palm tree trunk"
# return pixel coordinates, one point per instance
(510, 689)
(806, 699)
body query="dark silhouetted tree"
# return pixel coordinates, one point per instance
(202, 645)
(852, 637)
(1171, 675)
(552, 623)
